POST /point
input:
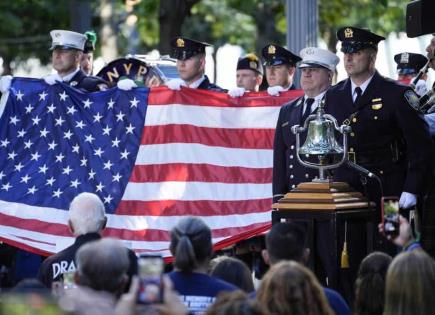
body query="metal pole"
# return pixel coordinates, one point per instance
(302, 24)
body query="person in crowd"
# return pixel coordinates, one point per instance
(86, 222)
(249, 75)
(280, 64)
(236, 303)
(286, 241)
(389, 137)
(408, 66)
(410, 284)
(87, 60)
(370, 284)
(234, 271)
(289, 288)
(101, 277)
(192, 250)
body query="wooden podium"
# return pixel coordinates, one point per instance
(328, 196)
(324, 207)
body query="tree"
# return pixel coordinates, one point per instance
(383, 17)
(25, 27)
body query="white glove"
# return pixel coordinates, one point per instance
(407, 200)
(52, 79)
(5, 83)
(175, 84)
(236, 92)
(274, 90)
(421, 88)
(126, 84)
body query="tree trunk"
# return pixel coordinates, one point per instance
(82, 9)
(109, 45)
(171, 17)
(267, 33)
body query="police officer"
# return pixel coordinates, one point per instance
(389, 137)
(249, 75)
(190, 55)
(408, 66)
(87, 60)
(67, 50)
(280, 66)
(318, 67)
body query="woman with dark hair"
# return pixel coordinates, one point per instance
(410, 284)
(234, 271)
(289, 288)
(192, 249)
(370, 284)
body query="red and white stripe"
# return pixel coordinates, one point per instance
(202, 153)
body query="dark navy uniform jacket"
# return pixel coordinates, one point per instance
(87, 83)
(388, 136)
(287, 171)
(53, 268)
(207, 85)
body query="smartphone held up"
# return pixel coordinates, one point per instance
(390, 215)
(150, 279)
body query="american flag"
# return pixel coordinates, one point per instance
(153, 156)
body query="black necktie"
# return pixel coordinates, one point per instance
(309, 102)
(358, 92)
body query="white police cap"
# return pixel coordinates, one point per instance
(67, 40)
(315, 57)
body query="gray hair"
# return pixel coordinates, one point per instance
(86, 213)
(102, 265)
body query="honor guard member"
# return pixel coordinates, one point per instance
(389, 137)
(318, 67)
(87, 61)
(67, 50)
(190, 55)
(249, 75)
(280, 66)
(408, 66)
(317, 70)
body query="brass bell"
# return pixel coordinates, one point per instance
(321, 138)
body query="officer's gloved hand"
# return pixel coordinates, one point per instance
(236, 92)
(52, 79)
(421, 87)
(274, 90)
(407, 200)
(175, 84)
(126, 84)
(5, 83)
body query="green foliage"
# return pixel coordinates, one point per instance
(25, 27)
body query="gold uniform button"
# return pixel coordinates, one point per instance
(354, 120)
(291, 156)
(306, 175)
(375, 118)
(291, 176)
(352, 134)
(291, 166)
(351, 149)
(293, 186)
(381, 172)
